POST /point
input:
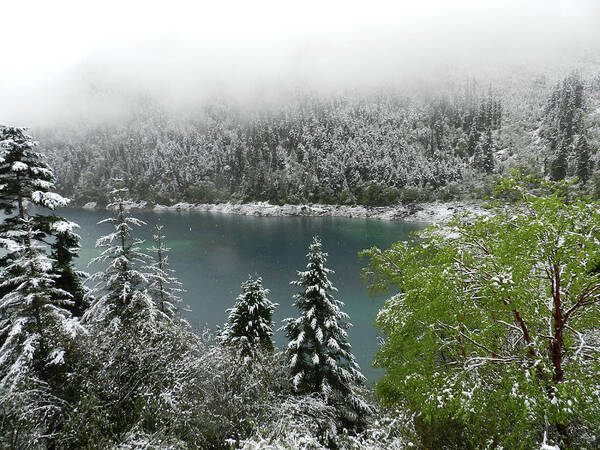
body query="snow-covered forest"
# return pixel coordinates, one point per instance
(108, 360)
(478, 121)
(376, 148)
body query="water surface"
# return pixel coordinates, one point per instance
(214, 253)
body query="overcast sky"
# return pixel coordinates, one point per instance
(185, 47)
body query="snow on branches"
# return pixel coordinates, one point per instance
(250, 323)
(318, 351)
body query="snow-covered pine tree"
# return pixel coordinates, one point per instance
(38, 331)
(121, 288)
(63, 250)
(484, 153)
(250, 323)
(583, 163)
(137, 365)
(319, 353)
(26, 178)
(563, 124)
(163, 286)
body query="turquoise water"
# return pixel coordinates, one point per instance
(214, 253)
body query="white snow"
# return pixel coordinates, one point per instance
(425, 212)
(19, 167)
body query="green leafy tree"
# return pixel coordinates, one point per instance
(250, 323)
(494, 330)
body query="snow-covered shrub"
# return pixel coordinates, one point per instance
(229, 397)
(296, 428)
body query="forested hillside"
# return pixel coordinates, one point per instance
(372, 148)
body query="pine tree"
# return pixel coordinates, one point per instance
(250, 322)
(319, 353)
(64, 249)
(559, 164)
(122, 297)
(584, 165)
(132, 341)
(484, 153)
(38, 331)
(26, 178)
(563, 125)
(163, 286)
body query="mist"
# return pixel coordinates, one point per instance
(67, 60)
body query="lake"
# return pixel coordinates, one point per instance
(214, 253)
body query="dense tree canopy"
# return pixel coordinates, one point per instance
(495, 323)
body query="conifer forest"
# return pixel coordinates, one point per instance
(477, 125)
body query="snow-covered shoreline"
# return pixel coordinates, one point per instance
(420, 212)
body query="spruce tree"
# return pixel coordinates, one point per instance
(163, 286)
(132, 341)
(559, 165)
(319, 353)
(484, 153)
(38, 333)
(563, 125)
(250, 323)
(122, 296)
(63, 250)
(26, 178)
(584, 165)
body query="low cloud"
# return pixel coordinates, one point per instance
(76, 60)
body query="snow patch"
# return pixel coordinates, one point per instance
(426, 212)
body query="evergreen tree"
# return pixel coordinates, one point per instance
(251, 320)
(26, 178)
(484, 153)
(163, 286)
(319, 353)
(563, 125)
(559, 165)
(38, 332)
(64, 249)
(584, 165)
(133, 342)
(121, 288)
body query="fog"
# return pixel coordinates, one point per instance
(71, 59)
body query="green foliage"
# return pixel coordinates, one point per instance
(409, 194)
(449, 192)
(494, 329)
(202, 192)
